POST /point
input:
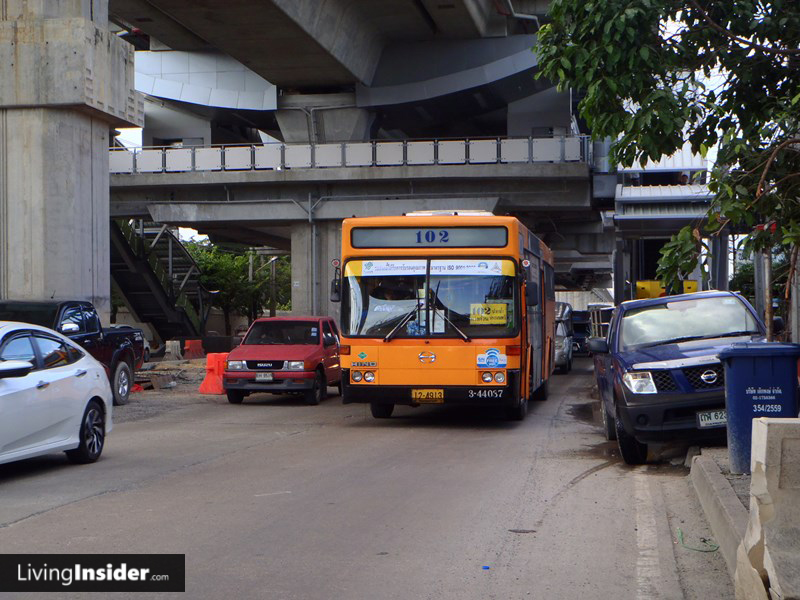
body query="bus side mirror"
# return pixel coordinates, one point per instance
(532, 294)
(336, 286)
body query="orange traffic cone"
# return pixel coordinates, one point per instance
(215, 366)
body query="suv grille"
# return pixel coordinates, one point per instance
(695, 376)
(664, 381)
(265, 365)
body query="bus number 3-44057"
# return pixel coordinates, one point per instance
(430, 236)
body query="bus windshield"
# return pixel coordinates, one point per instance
(431, 298)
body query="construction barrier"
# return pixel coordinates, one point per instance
(215, 366)
(193, 349)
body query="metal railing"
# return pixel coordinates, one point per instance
(374, 154)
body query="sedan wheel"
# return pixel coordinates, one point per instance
(92, 436)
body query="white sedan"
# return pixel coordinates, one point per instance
(53, 396)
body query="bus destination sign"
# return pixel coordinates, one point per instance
(429, 237)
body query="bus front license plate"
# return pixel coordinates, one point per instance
(428, 396)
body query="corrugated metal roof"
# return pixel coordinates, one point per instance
(662, 193)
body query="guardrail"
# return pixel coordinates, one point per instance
(280, 156)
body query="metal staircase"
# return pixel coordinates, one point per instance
(159, 279)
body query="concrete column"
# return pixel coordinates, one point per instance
(65, 82)
(312, 271)
(719, 262)
(323, 118)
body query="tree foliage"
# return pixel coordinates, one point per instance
(724, 73)
(226, 273)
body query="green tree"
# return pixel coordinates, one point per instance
(724, 73)
(227, 274)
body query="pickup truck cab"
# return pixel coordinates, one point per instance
(119, 349)
(282, 355)
(658, 374)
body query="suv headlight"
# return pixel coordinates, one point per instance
(296, 365)
(640, 383)
(235, 365)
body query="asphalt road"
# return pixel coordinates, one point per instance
(273, 499)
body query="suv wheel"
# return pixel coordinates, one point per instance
(633, 452)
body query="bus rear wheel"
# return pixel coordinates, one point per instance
(381, 411)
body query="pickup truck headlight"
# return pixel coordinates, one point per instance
(235, 365)
(640, 383)
(296, 365)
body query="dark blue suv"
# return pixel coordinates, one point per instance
(658, 373)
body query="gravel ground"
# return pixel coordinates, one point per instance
(187, 375)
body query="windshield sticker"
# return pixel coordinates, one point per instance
(488, 314)
(379, 268)
(313, 331)
(492, 359)
(472, 267)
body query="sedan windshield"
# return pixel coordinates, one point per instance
(442, 297)
(683, 320)
(283, 333)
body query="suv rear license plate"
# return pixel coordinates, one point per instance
(428, 396)
(712, 418)
(263, 376)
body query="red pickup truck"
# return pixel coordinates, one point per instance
(281, 355)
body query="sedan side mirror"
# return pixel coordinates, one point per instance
(15, 368)
(598, 346)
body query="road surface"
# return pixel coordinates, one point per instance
(274, 499)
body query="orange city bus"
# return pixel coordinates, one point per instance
(444, 308)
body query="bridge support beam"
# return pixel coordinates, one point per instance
(66, 80)
(314, 246)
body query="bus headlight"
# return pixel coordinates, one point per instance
(500, 377)
(235, 365)
(369, 376)
(486, 377)
(640, 383)
(357, 376)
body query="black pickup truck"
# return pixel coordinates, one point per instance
(119, 349)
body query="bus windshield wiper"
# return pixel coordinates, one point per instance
(436, 311)
(402, 322)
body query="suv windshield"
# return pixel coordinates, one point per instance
(686, 319)
(430, 297)
(283, 333)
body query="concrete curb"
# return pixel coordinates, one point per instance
(723, 510)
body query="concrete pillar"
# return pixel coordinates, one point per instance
(312, 271)
(719, 262)
(65, 82)
(622, 271)
(322, 118)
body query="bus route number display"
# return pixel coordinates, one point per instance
(427, 237)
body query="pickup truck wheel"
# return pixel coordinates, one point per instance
(381, 411)
(609, 427)
(235, 396)
(92, 435)
(317, 393)
(633, 452)
(121, 384)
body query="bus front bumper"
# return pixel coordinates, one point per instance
(477, 395)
